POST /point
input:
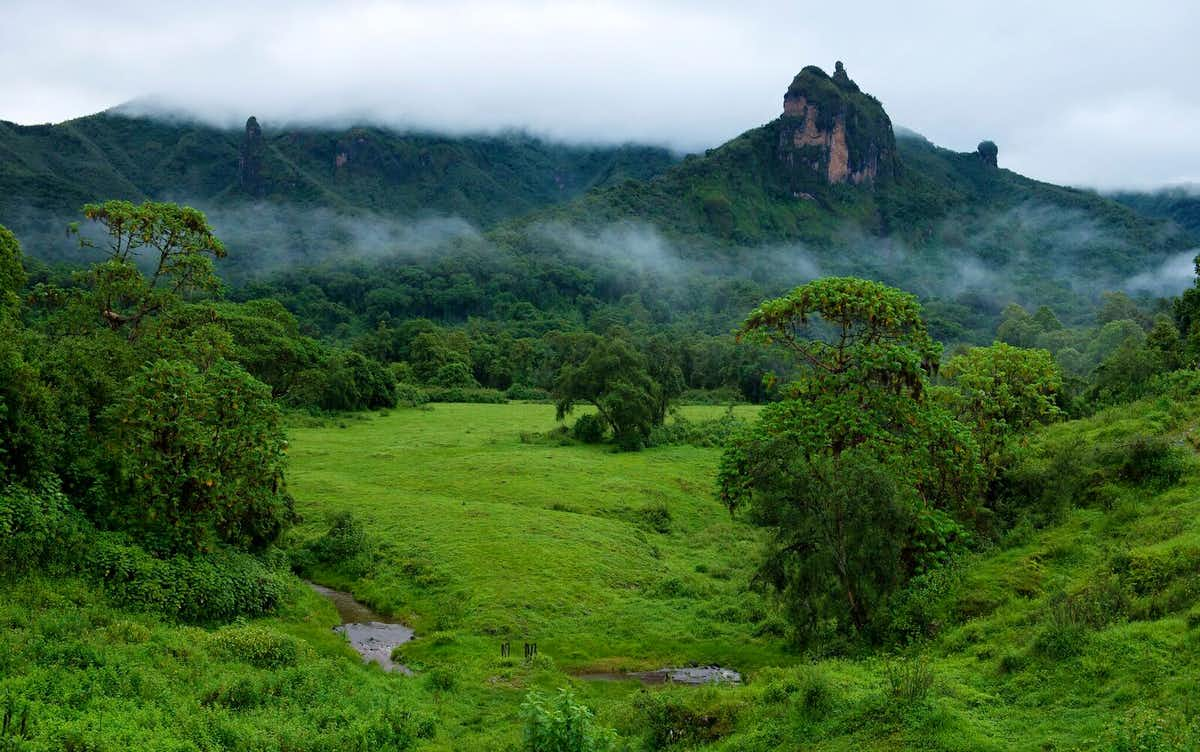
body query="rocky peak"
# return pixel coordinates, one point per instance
(250, 159)
(832, 132)
(988, 152)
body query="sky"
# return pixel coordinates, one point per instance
(1080, 92)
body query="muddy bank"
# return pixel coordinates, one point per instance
(694, 675)
(368, 633)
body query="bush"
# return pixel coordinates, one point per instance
(808, 687)
(261, 647)
(670, 721)
(217, 587)
(923, 606)
(908, 681)
(455, 374)
(410, 395)
(38, 528)
(562, 724)
(527, 393)
(657, 517)
(462, 394)
(345, 541)
(1151, 461)
(442, 679)
(589, 429)
(1066, 631)
(702, 433)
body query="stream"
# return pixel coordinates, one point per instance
(373, 639)
(371, 636)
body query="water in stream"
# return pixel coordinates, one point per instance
(367, 632)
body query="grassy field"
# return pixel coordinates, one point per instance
(1073, 636)
(1082, 634)
(606, 560)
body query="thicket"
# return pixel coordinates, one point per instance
(137, 451)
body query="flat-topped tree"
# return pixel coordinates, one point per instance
(860, 480)
(174, 243)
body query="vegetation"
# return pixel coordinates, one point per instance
(995, 549)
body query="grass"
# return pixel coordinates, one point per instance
(1080, 634)
(486, 538)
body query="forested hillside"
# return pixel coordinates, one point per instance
(47, 172)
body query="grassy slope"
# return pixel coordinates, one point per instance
(475, 551)
(1010, 671)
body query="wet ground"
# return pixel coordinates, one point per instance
(690, 675)
(368, 633)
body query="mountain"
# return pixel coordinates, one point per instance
(827, 187)
(832, 157)
(1179, 204)
(48, 172)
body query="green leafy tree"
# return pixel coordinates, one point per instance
(855, 473)
(12, 272)
(199, 457)
(612, 377)
(174, 243)
(1004, 390)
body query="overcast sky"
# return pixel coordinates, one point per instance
(1083, 92)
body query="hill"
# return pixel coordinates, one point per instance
(831, 160)
(1181, 205)
(48, 172)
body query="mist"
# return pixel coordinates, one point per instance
(687, 75)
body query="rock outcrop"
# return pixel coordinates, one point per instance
(988, 152)
(251, 155)
(832, 131)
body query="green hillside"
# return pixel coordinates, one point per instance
(1181, 205)
(48, 172)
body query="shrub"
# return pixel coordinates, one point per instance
(589, 429)
(527, 393)
(37, 529)
(562, 724)
(1066, 631)
(345, 540)
(671, 721)
(217, 587)
(908, 681)
(455, 374)
(657, 517)
(1151, 461)
(442, 679)
(807, 686)
(463, 394)
(923, 606)
(702, 433)
(410, 395)
(261, 647)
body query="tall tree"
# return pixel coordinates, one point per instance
(860, 480)
(174, 243)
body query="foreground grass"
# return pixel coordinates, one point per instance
(1083, 633)
(488, 538)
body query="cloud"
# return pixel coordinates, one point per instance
(1098, 93)
(1171, 277)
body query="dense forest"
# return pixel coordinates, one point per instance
(915, 454)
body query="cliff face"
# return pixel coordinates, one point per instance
(250, 160)
(831, 131)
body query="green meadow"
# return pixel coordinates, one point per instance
(1080, 633)
(608, 561)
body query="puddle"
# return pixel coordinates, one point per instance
(371, 636)
(694, 675)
